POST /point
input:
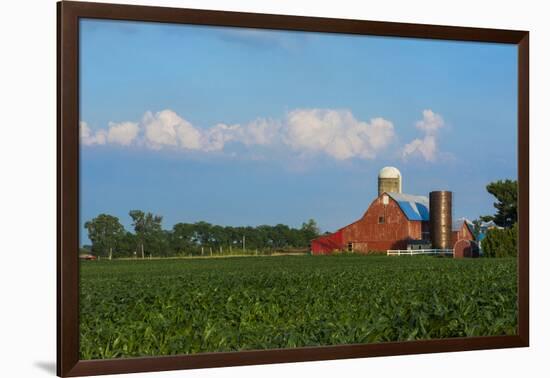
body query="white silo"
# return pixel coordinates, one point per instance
(389, 180)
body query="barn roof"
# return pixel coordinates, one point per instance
(415, 208)
(457, 224)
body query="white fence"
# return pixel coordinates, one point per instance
(412, 252)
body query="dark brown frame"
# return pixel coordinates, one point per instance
(68, 14)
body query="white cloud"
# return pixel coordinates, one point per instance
(430, 123)
(335, 133)
(166, 128)
(85, 133)
(425, 147)
(89, 137)
(122, 133)
(215, 138)
(261, 132)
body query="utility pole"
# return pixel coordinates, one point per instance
(244, 243)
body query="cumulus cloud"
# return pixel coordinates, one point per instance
(261, 132)
(123, 133)
(425, 147)
(430, 123)
(89, 137)
(335, 133)
(215, 138)
(166, 128)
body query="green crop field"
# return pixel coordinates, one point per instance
(162, 307)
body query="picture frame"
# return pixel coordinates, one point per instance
(69, 13)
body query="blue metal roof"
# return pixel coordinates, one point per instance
(415, 208)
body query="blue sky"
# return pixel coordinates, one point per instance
(248, 127)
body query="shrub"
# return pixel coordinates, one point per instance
(500, 242)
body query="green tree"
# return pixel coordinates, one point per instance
(219, 236)
(203, 233)
(477, 227)
(500, 242)
(160, 244)
(310, 230)
(148, 229)
(182, 238)
(127, 245)
(105, 232)
(506, 194)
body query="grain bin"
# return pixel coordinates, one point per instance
(441, 219)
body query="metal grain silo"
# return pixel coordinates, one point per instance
(441, 219)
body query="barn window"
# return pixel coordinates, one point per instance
(381, 219)
(350, 247)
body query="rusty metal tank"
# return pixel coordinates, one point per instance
(441, 219)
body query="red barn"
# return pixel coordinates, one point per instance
(390, 222)
(463, 229)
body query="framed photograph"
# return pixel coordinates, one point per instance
(238, 188)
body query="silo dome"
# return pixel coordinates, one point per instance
(389, 180)
(389, 172)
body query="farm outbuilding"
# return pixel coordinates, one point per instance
(465, 248)
(395, 220)
(463, 229)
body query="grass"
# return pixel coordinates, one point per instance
(163, 307)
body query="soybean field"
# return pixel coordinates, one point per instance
(181, 306)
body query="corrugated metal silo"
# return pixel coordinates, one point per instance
(441, 219)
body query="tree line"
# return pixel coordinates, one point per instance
(110, 239)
